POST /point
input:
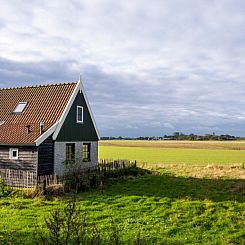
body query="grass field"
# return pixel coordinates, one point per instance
(167, 209)
(177, 204)
(174, 152)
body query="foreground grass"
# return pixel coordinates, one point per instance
(166, 208)
(174, 152)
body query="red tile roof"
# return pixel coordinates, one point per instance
(44, 103)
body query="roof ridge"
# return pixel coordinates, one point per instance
(39, 85)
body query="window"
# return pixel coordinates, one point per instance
(79, 114)
(86, 152)
(70, 152)
(20, 107)
(14, 153)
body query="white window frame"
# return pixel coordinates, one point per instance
(22, 106)
(11, 150)
(79, 107)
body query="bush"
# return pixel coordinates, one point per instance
(4, 189)
(79, 179)
(63, 226)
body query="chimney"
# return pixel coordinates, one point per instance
(42, 127)
(28, 129)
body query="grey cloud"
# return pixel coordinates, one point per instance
(25, 73)
(147, 68)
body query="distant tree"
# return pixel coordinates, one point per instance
(176, 135)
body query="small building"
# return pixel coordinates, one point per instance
(43, 126)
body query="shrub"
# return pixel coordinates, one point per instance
(81, 179)
(55, 190)
(69, 225)
(4, 189)
(63, 226)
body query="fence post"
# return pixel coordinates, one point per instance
(44, 186)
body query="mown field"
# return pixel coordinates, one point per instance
(174, 152)
(197, 202)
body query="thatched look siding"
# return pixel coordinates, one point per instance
(27, 160)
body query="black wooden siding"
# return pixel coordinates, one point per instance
(27, 158)
(73, 131)
(46, 157)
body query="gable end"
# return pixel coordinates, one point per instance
(73, 130)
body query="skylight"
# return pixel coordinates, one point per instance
(20, 107)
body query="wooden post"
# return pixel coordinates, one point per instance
(44, 186)
(101, 187)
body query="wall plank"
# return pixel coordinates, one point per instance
(27, 158)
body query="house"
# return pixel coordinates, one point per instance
(43, 126)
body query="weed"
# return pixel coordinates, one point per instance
(63, 226)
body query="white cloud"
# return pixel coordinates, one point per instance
(174, 62)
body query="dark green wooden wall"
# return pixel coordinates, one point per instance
(73, 131)
(46, 157)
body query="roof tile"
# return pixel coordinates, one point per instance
(44, 103)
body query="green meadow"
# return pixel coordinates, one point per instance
(187, 203)
(174, 152)
(165, 209)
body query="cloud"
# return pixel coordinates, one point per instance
(147, 68)
(16, 73)
(168, 125)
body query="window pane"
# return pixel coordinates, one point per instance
(14, 153)
(86, 152)
(70, 152)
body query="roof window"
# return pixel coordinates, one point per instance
(20, 107)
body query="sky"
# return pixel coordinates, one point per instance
(149, 68)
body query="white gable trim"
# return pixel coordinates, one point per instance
(68, 107)
(44, 136)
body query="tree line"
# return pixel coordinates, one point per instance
(179, 136)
